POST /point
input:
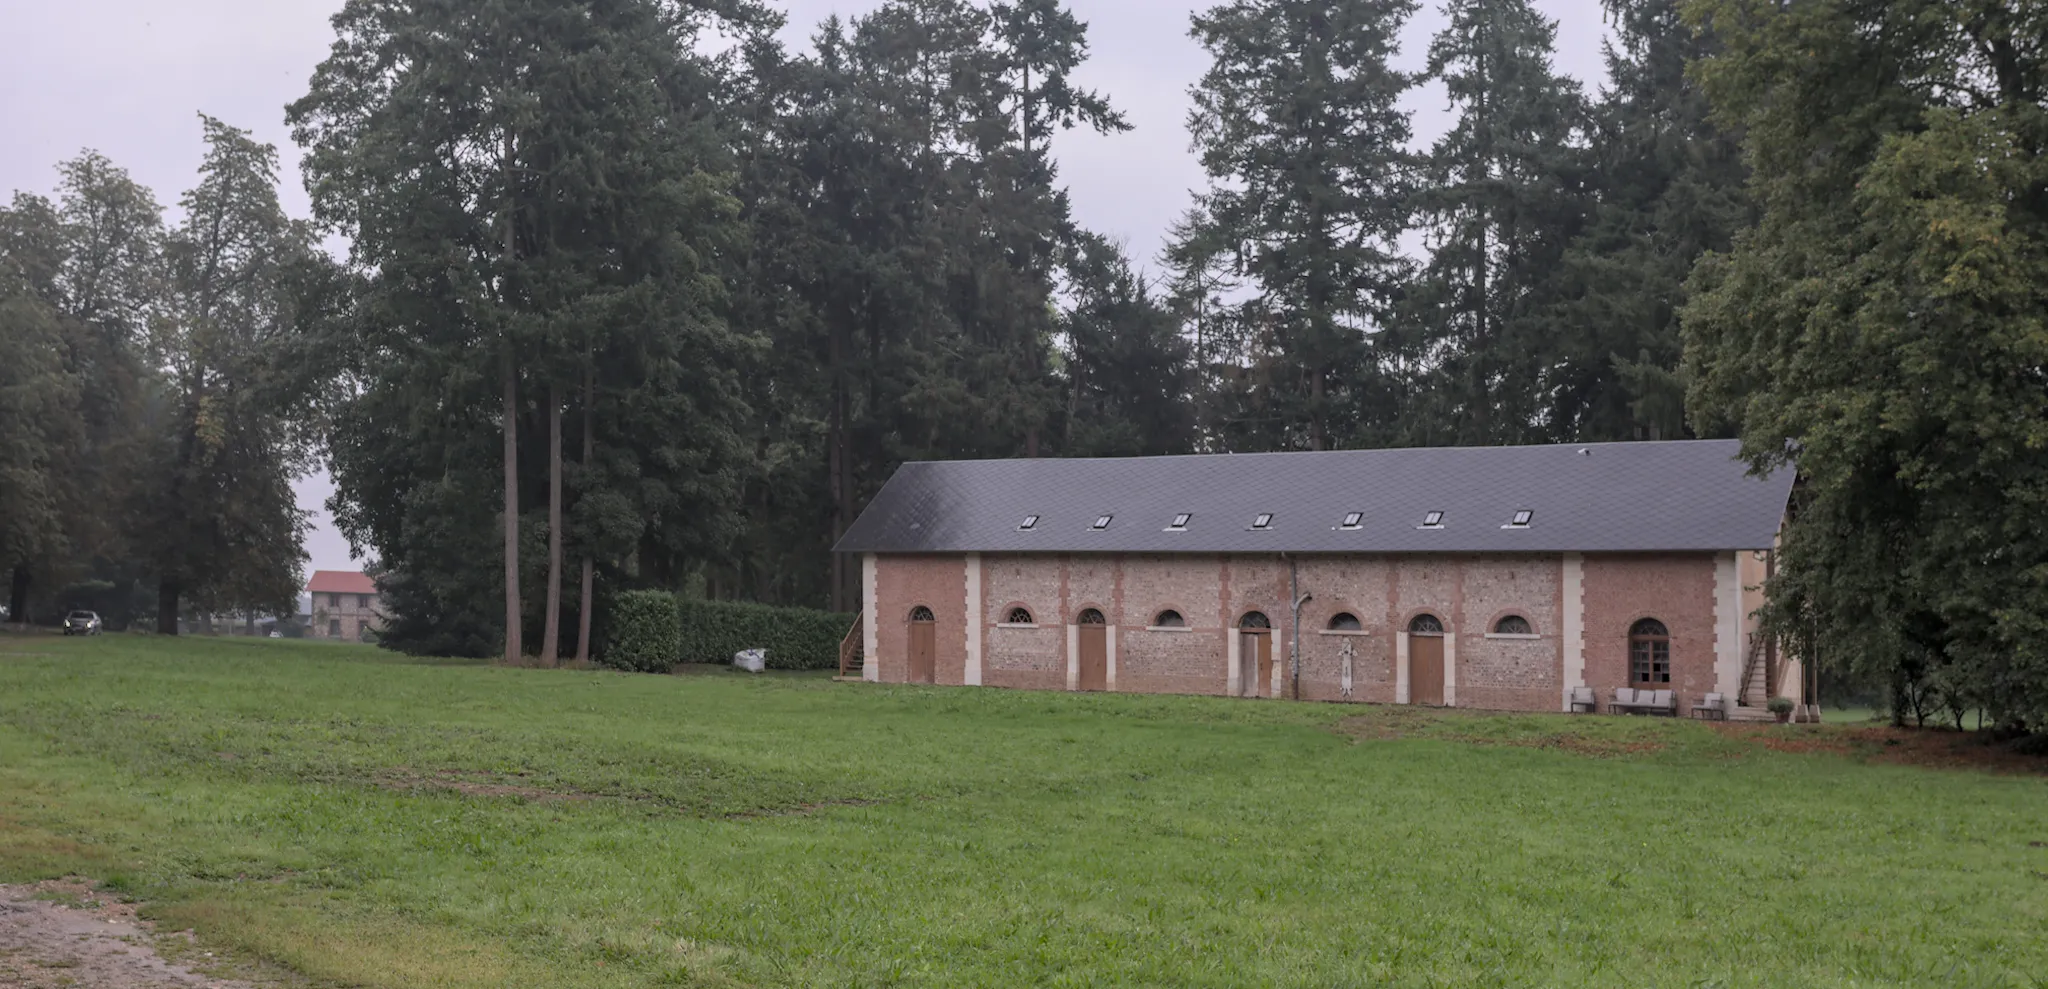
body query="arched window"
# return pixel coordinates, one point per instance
(1345, 621)
(1254, 619)
(1649, 654)
(1425, 625)
(1091, 617)
(1018, 616)
(922, 614)
(1169, 619)
(1513, 625)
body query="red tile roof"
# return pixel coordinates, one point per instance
(341, 582)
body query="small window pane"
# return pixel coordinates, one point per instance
(1090, 617)
(1254, 619)
(1019, 616)
(1426, 625)
(1513, 625)
(1650, 662)
(1345, 621)
(1169, 619)
(921, 614)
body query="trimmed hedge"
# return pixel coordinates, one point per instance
(652, 631)
(796, 638)
(645, 628)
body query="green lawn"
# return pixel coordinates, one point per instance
(360, 820)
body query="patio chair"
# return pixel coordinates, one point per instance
(1713, 707)
(1583, 700)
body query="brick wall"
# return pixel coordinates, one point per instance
(1676, 589)
(1361, 587)
(1031, 658)
(1510, 674)
(1189, 662)
(936, 582)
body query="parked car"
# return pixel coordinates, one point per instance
(81, 623)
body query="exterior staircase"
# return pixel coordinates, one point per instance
(852, 664)
(1755, 688)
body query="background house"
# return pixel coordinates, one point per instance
(344, 606)
(1476, 577)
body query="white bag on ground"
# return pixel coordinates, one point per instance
(750, 660)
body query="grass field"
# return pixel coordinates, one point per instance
(358, 820)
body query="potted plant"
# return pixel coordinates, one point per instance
(1782, 707)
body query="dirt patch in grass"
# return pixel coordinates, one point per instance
(476, 783)
(800, 810)
(62, 933)
(1930, 748)
(1604, 739)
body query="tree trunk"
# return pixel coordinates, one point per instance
(551, 629)
(513, 647)
(589, 562)
(17, 595)
(167, 606)
(836, 455)
(1318, 437)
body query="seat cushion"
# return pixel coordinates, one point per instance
(1624, 695)
(1661, 698)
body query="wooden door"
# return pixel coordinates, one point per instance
(1094, 657)
(1254, 662)
(1426, 669)
(924, 651)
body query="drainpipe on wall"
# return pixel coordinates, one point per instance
(1294, 640)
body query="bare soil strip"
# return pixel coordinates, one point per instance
(87, 941)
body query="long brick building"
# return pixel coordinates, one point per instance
(1472, 577)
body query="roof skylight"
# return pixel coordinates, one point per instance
(1263, 521)
(1180, 522)
(1433, 520)
(1353, 520)
(1102, 523)
(1521, 520)
(1030, 522)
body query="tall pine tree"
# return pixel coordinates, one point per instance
(1293, 243)
(1502, 203)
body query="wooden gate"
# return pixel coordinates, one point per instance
(924, 646)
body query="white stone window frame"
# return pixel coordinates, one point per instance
(1515, 636)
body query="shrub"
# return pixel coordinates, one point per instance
(645, 632)
(1780, 705)
(796, 638)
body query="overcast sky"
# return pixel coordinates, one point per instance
(128, 77)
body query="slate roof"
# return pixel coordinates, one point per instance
(1687, 495)
(341, 582)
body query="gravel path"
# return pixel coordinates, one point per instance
(99, 944)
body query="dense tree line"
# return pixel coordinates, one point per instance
(639, 295)
(1884, 326)
(159, 390)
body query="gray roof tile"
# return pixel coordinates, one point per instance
(1596, 497)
